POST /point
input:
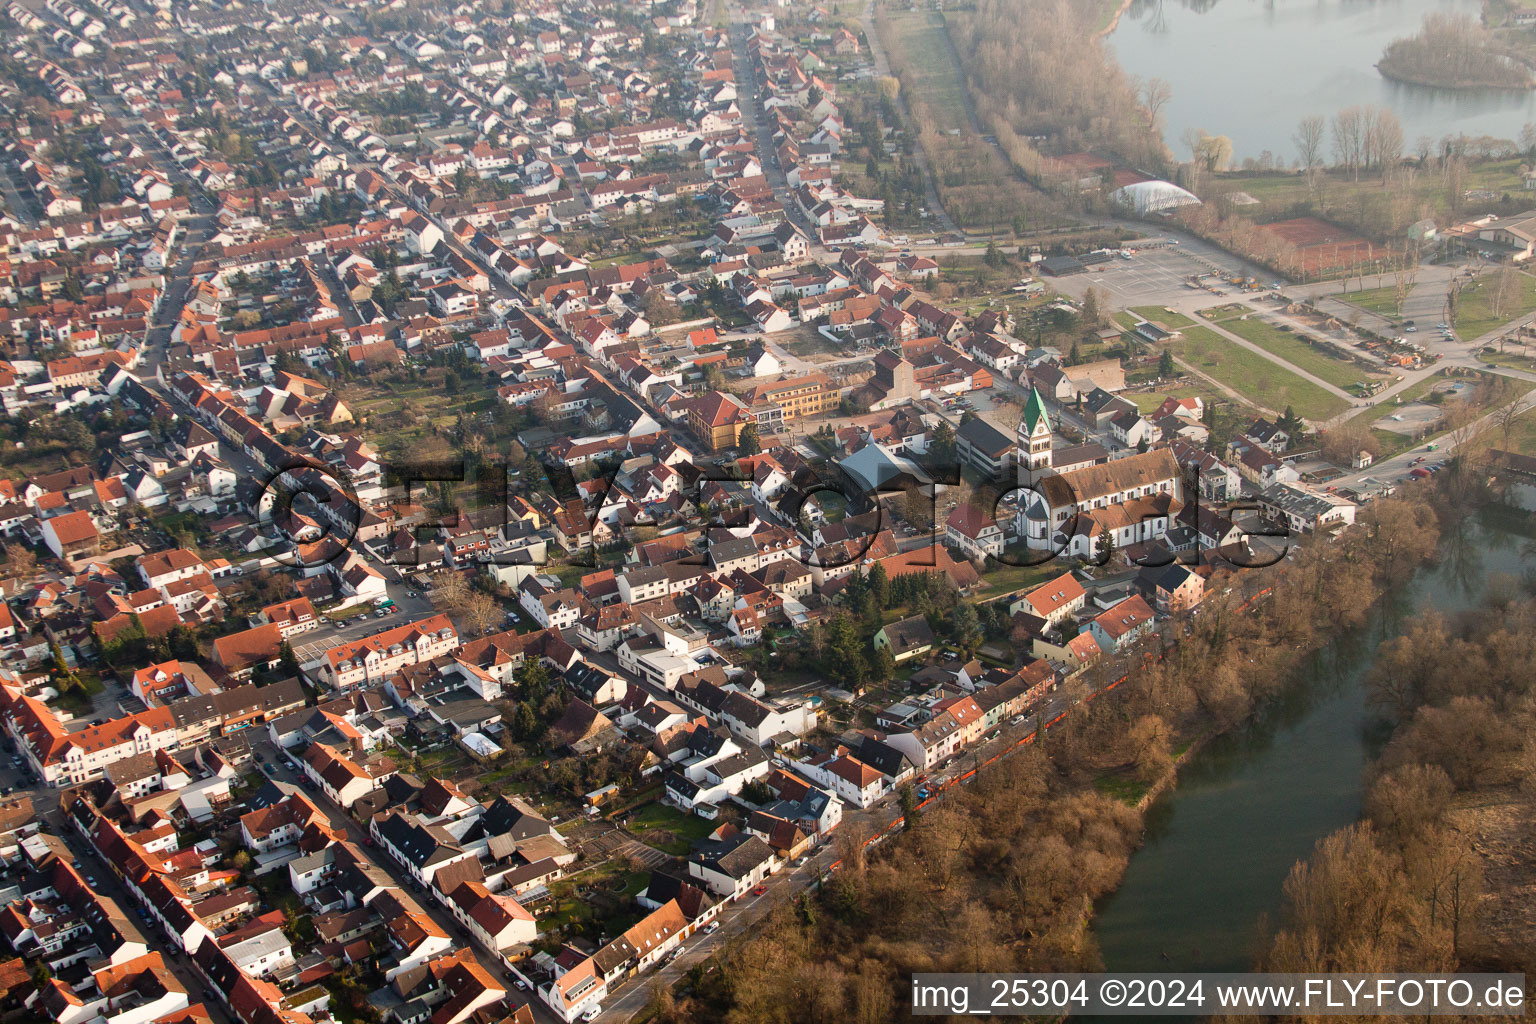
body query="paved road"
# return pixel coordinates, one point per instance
(46, 801)
(747, 100)
(23, 202)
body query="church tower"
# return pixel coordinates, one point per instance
(1035, 437)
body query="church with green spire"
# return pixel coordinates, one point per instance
(1035, 435)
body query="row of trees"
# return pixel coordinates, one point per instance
(1363, 138)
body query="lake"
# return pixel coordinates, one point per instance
(1251, 69)
(1219, 846)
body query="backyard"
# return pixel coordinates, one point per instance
(1001, 578)
(668, 829)
(605, 893)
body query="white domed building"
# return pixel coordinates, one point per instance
(1154, 196)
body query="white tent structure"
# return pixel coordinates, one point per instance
(1153, 196)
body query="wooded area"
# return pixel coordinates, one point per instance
(1454, 51)
(1405, 889)
(1036, 66)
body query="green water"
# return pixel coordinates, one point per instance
(1219, 845)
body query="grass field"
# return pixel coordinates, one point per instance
(674, 830)
(1000, 578)
(919, 54)
(1178, 321)
(1254, 377)
(1474, 308)
(1523, 437)
(1294, 350)
(1121, 786)
(1374, 300)
(1510, 359)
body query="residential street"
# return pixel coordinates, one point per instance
(276, 769)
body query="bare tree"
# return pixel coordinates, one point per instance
(1348, 128)
(1309, 145)
(1505, 291)
(1528, 140)
(1155, 94)
(449, 590)
(1006, 415)
(1214, 152)
(1505, 418)
(481, 611)
(1455, 181)
(19, 560)
(1387, 142)
(1191, 138)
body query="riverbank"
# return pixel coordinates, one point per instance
(1219, 846)
(1170, 778)
(1003, 873)
(1406, 73)
(1114, 19)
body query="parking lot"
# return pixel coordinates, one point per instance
(1156, 277)
(317, 642)
(311, 645)
(1148, 278)
(11, 776)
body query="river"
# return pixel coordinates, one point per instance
(1252, 803)
(1251, 69)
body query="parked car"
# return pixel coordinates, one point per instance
(761, 890)
(712, 927)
